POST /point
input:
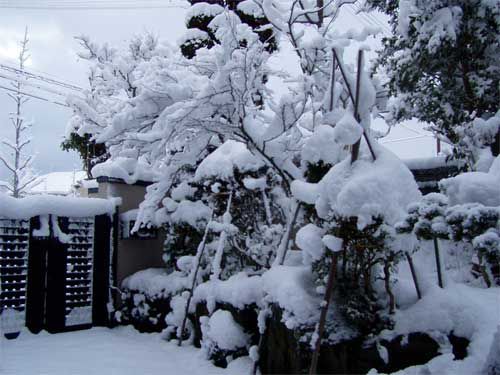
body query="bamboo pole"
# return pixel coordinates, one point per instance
(201, 249)
(324, 310)
(438, 263)
(414, 275)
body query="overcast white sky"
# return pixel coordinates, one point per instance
(53, 51)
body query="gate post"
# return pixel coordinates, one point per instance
(102, 248)
(37, 263)
(56, 281)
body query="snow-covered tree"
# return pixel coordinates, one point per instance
(443, 68)
(112, 86)
(15, 156)
(201, 29)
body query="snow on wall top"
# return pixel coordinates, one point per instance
(474, 187)
(128, 169)
(430, 162)
(221, 163)
(30, 206)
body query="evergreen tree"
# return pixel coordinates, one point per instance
(443, 67)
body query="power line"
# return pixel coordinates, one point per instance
(32, 84)
(90, 4)
(40, 77)
(9, 61)
(33, 96)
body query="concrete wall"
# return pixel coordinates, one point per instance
(132, 254)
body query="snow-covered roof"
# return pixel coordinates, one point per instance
(58, 183)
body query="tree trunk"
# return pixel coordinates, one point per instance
(387, 282)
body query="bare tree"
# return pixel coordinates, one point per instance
(16, 159)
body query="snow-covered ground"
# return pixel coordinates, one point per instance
(98, 351)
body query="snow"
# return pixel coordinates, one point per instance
(251, 8)
(49, 204)
(429, 162)
(203, 10)
(57, 183)
(305, 192)
(128, 169)
(191, 212)
(368, 188)
(155, 282)
(469, 312)
(225, 332)
(474, 187)
(119, 351)
(292, 288)
(348, 130)
(255, 183)
(239, 290)
(309, 239)
(222, 162)
(323, 145)
(333, 243)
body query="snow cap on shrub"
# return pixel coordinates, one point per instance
(225, 332)
(366, 189)
(222, 162)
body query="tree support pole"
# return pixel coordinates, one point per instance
(414, 275)
(324, 310)
(198, 256)
(438, 263)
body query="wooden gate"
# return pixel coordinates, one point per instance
(55, 273)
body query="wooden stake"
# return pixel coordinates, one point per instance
(438, 263)
(355, 147)
(201, 249)
(414, 275)
(324, 310)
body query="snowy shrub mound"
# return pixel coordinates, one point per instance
(224, 332)
(146, 297)
(366, 189)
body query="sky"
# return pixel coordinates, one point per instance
(54, 52)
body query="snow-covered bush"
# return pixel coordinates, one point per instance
(478, 227)
(146, 298)
(223, 338)
(426, 220)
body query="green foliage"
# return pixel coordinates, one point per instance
(443, 62)
(471, 220)
(90, 153)
(180, 239)
(426, 219)
(364, 249)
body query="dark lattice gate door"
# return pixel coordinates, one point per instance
(79, 241)
(14, 244)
